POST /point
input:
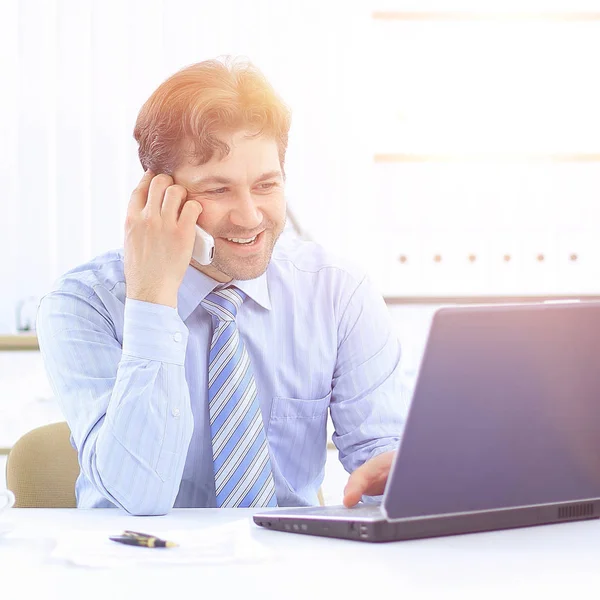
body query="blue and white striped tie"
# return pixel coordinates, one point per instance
(243, 476)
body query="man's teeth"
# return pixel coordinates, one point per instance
(241, 241)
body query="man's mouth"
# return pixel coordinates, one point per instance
(247, 242)
(244, 241)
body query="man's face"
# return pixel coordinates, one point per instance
(242, 199)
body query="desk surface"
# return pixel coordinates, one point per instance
(548, 561)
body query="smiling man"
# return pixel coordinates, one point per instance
(199, 386)
(243, 207)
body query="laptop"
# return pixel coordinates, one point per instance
(503, 430)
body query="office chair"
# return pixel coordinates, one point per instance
(42, 468)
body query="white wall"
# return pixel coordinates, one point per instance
(487, 137)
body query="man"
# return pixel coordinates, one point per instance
(195, 386)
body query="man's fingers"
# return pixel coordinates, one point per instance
(156, 193)
(189, 213)
(352, 495)
(356, 487)
(369, 479)
(140, 194)
(175, 196)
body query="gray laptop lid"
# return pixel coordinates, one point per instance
(505, 413)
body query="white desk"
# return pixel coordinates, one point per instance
(542, 562)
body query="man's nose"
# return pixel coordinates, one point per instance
(246, 213)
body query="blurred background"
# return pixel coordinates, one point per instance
(450, 147)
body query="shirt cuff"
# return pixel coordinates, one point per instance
(154, 332)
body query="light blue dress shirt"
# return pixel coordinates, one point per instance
(131, 377)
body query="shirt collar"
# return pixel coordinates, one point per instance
(196, 286)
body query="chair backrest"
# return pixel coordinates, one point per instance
(42, 468)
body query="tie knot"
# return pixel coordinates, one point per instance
(224, 303)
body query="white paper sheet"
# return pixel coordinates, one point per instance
(221, 544)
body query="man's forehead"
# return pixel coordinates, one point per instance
(258, 160)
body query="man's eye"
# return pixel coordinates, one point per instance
(267, 186)
(217, 191)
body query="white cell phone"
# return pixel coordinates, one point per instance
(204, 247)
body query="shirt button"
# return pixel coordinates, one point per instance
(175, 412)
(177, 336)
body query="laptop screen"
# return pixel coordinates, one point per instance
(506, 412)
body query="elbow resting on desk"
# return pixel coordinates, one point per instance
(130, 482)
(156, 497)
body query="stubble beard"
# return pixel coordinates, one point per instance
(243, 269)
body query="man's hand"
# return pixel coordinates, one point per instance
(159, 239)
(369, 479)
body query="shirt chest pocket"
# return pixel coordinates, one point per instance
(297, 435)
(294, 408)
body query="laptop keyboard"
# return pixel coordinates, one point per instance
(361, 511)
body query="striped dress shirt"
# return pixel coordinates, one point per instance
(131, 377)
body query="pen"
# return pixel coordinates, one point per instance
(133, 538)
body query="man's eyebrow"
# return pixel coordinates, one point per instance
(210, 179)
(269, 175)
(226, 181)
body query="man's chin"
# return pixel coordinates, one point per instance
(245, 267)
(242, 269)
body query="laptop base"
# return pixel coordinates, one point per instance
(371, 526)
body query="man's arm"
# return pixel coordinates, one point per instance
(367, 398)
(128, 408)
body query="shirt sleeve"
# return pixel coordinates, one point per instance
(128, 407)
(367, 391)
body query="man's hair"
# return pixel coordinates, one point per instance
(193, 105)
